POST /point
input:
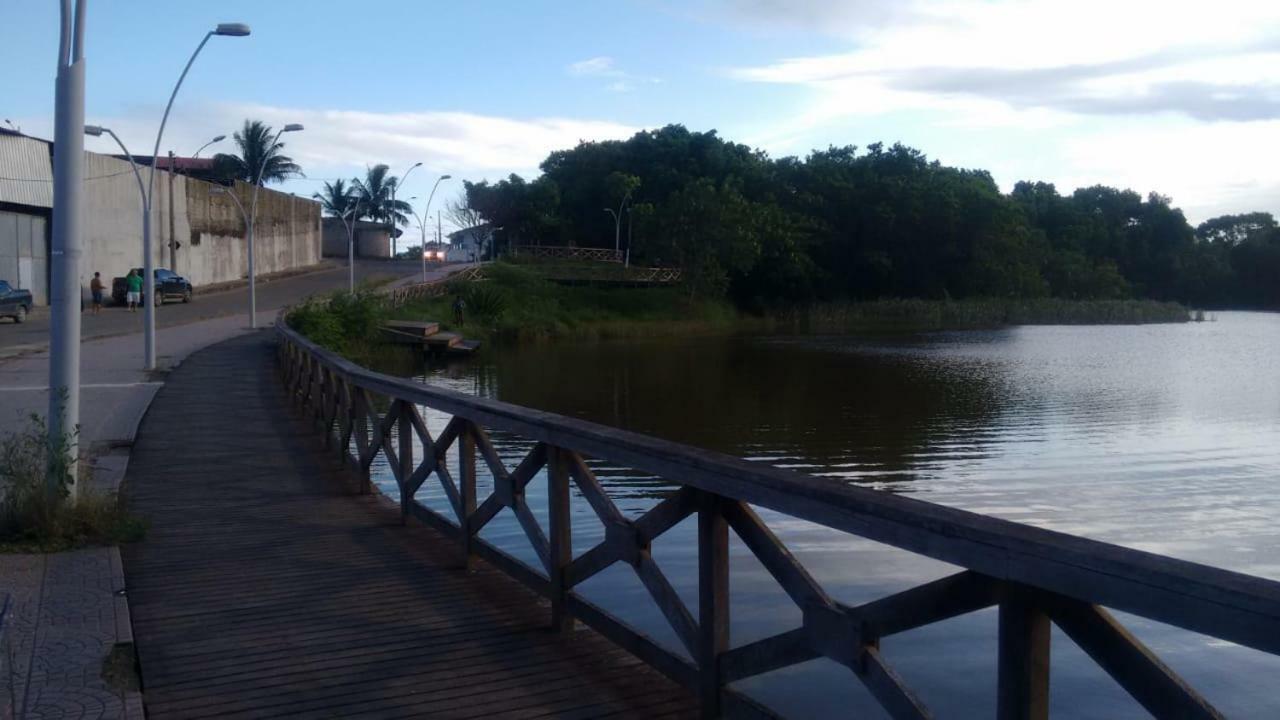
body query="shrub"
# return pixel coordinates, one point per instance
(486, 301)
(34, 516)
(341, 321)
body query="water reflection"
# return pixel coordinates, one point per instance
(1164, 438)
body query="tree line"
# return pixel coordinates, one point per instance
(884, 221)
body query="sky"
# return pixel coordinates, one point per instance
(1180, 98)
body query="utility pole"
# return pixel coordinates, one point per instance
(173, 239)
(68, 208)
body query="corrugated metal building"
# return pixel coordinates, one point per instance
(26, 201)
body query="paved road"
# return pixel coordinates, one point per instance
(265, 588)
(272, 296)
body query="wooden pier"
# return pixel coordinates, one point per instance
(1036, 578)
(267, 586)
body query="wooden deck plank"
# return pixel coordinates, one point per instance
(266, 588)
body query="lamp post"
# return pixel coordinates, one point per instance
(253, 218)
(67, 247)
(392, 213)
(148, 271)
(617, 222)
(217, 139)
(351, 243)
(97, 131)
(426, 210)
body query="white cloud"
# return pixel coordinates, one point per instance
(1180, 98)
(597, 66)
(342, 143)
(604, 67)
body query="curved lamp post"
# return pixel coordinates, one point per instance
(617, 226)
(219, 138)
(253, 215)
(148, 270)
(395, 185)
(425, 211)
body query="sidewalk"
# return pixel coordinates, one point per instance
(71, 635)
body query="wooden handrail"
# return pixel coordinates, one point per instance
(1034, 575)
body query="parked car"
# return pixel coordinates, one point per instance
(14, 303)
(169, 286)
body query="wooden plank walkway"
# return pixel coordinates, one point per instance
(266, 588)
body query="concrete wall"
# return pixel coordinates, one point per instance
(208, 229)
(372, 239)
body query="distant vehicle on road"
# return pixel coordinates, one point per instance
(169, 286)
(14, 303)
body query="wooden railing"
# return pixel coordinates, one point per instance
(1034, 576)
(616, 274)
(433, 288)
(560, 252)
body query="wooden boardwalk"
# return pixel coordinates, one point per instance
(265, 587)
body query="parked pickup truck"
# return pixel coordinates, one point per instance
(14, 303)
(169, 286)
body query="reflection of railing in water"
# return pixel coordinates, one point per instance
(1035, 577)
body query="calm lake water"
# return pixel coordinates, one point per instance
(1164, 438)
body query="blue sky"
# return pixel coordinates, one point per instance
(1153, 96)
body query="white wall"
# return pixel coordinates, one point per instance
(208, 228)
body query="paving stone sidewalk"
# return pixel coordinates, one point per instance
(67, 615)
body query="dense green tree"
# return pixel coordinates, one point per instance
(884, 221)
(259, 152)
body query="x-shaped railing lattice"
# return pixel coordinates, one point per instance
(1034, 577)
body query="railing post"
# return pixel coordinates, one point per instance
(360, 416)
(1023, 683)
(467, 489)
(405, 446)
(560, 544)
(713, 602)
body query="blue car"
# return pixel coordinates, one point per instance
(14, 303)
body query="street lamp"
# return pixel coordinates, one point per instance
(253, 216)
(617, 224)
(149, 309)
(219, 138)
(97, 131)
(426, 210)
(66, 248)
(392, 214)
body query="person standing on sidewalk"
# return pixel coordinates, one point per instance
(133, 283)
(95, 287)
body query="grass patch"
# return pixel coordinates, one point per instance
(35, 519)
(517, 303)
(345, 323)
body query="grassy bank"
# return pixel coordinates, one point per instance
(516, 303)
(924, 315)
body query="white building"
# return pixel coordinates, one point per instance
(196, 233)
(470, 244)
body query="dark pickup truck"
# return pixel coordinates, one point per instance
(169, 286)
(14, 303)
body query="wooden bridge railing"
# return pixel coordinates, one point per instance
(1034, 576)
(433, 288)
(561, 252)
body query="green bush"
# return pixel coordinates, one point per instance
(485, 300)
(340, 321)
(37, 517)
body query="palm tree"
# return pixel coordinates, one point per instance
(337, 199)
(374, 193)
(257, 153)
